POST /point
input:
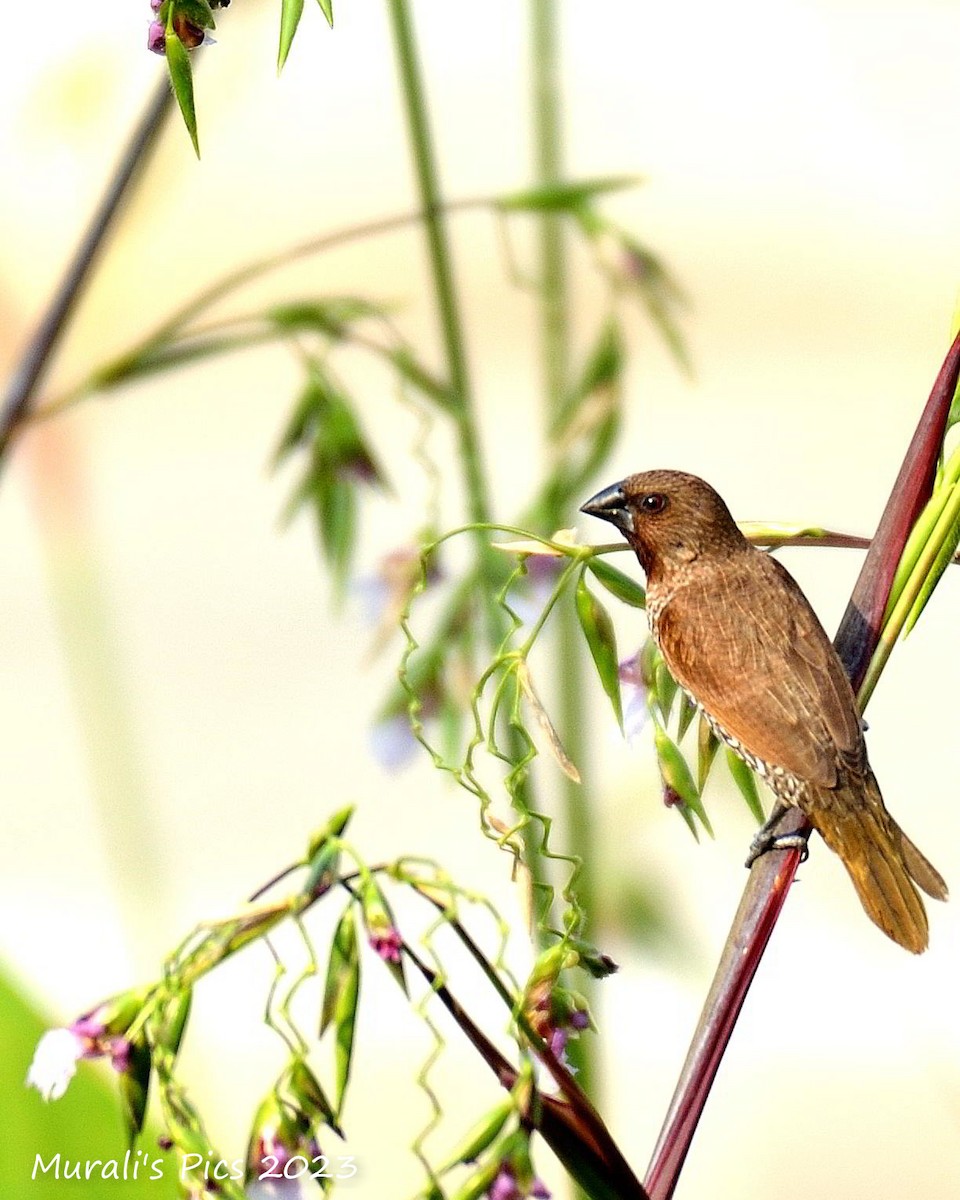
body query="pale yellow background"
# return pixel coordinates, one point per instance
(804, 184)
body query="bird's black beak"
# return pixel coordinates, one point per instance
(610, 505)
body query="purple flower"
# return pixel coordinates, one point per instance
(387, 944)
(156, 5)
(157, 38)
(539, 1190)
(504, 1186)
(580, 1020)
(634, 691)
(392, 742)
(558, 1042)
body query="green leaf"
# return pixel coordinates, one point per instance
(340, 997)
(135, 1088)
(310, 1096)
(665, 687)
(617, 583)
(481, 1135)
(564, 197)
(290, 13)
(602, 641)
(947, 533)
(197, 12)
(332, 315)
(327, 9)
(337, 519)
(745, 780)
(166, 356)
(707, 746)
(181, 78)
(334, 828)
(168, 1026)
(323, 863)
(688, 710)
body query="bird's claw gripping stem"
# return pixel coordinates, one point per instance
(767, 838)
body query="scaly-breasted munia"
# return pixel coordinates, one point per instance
(738, 634)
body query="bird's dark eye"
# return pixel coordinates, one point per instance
(655, 502)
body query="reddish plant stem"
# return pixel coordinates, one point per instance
(772, 874)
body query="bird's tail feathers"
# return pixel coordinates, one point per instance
(881, 860)
(922, 873)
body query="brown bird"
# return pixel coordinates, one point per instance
(739, 635)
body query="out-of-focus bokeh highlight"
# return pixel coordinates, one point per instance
(181, 703)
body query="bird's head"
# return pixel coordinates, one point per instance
(668, 517)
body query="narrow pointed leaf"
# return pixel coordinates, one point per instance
(311, 1098)
(341, 995)
(688, 710)
(171, 1023)
(746, 781)
(707, 746)
(602, 642)
(331, 315)
(135, 1089)
(947, 537)
(197, 12)
(618, 583)
(326, 7)
(181, 78)
(481, 1135)
(564, 197)
(290, 13)
(666, 689)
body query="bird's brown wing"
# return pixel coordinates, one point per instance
(747, 645)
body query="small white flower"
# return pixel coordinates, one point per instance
(55, 1062)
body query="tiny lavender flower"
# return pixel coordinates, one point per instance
(392, 742)
(157, 38)
(633, 687)
(504, 1186)
(558, 1043)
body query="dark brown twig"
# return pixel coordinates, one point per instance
(20, 392)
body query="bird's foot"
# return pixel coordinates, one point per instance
(767, 838)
